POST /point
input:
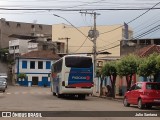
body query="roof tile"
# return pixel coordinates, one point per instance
(146, 51)
(47, 54)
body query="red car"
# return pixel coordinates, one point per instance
(143, 94)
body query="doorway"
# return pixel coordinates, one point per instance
(34, 80)
(45, 81)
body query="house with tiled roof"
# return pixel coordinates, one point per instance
(37, 66)
(141, 50)
(146, 51)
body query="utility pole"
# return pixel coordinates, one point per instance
(1, 33)
(93, 34)
(66, 41)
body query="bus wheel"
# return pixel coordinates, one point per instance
(82, 97)
(54, 94)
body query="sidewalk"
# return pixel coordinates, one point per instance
(117, 98)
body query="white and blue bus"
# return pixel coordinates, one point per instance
(72, 75)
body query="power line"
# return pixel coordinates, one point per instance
(147, 21)
(81, 45)
(136, 38)
(144, 13)
(136, 32)
(148, 26)
(130, 21)
(153, 7)
(70, 24)
(148, 31)
(76, 29)
(85, 9)
(88, 3)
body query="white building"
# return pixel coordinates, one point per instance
(32, 46)
(20, 46)
(37, 66)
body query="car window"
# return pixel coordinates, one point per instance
(138, 86)
(152, 86)
(133, 87)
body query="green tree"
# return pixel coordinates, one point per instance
(3, 54)
(127, 67)
(158, 62)
(158, 65)
(22, 76)
(149, 66)
(109, 69)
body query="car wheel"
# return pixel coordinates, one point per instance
(125, 102)
(140, 105)
(148, 106)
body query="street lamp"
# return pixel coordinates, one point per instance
(94, 33)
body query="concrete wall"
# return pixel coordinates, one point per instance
(104, 41)
(131, 46)
(23, 46)
(9, 27)
(32, 46)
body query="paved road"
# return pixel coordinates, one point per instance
(18, 98)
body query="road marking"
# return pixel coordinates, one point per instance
(24, 92)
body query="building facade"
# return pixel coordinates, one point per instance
(131, 46)
(32, 46)
(108, 40)
(18, 46)
(8, 28)
(37, 67)
(80, 43)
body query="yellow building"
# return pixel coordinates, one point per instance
(108, 40)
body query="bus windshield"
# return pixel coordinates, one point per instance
(78, 62)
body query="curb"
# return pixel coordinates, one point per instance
(110, 98)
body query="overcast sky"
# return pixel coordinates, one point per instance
(148, 21)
